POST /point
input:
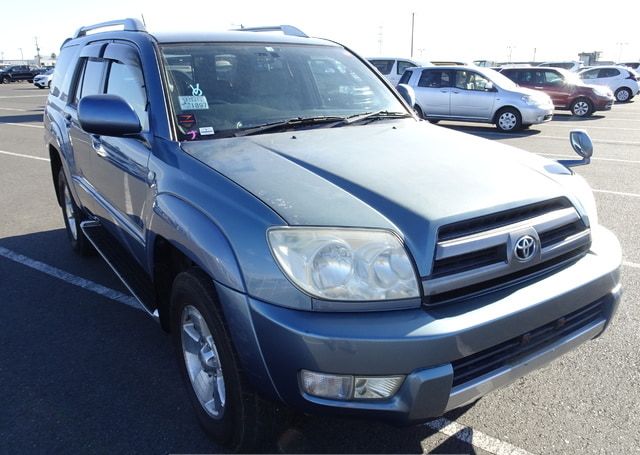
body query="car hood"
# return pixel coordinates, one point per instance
(407, 176)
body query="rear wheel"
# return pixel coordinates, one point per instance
(73, 216)
(418, 110)
(508, 119)
(582, 107)
(227, 407)
(623, 95)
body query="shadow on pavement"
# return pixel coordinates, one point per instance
(494, 132)
(28, 118)
(573, 118)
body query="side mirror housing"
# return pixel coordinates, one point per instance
(108, 115)
(583, 146)
(407, 93)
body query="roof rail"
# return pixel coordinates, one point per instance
(286, 29)
(131, 25)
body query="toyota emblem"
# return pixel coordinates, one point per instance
(525, 248)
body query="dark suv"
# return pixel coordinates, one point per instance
(565, 89)
(277, 206)
(18, 73)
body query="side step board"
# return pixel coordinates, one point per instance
(124, 266)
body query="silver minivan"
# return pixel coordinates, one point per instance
(475, 94)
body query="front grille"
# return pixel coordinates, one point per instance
(478, 255)
(472, 367)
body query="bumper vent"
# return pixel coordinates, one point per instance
(472, 367)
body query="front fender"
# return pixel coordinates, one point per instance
(197, 236)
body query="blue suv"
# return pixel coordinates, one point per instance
(306, 239)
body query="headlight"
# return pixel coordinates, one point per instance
(537, 100)
(345, 264)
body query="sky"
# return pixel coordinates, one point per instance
(453, 30)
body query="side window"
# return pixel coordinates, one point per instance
(126, 81)
(608, 72)
(405, 77)
(434, 79)
(91, 79)
(591, 74)
(462, 80)
(402, 66)
(468, 80)
(384, 66)
(513, 75)
(552, 78)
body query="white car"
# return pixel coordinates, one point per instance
(570, 65)
(43, 80)
(622, 81)
(392, 68)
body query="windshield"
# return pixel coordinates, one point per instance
(500, 80)
(218, 88)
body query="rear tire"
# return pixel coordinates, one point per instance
(623, 95)
(582, 107)
(73, 216)
(418, 110)
(228, 408)
(508, 119)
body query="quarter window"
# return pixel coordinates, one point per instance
(384, 66)
(434, 79)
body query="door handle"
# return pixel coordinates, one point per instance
(444, 91)
(67, 120)
(96, 143)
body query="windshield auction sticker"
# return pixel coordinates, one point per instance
(193, 103)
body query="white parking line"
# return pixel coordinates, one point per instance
(475, 438)
(24, 156)
(617, 193)
(588, 127)
(13, 109)
(69, 278)
(554, 155)
(26, 125)
(631, 264)
(541, 136)
(44, 95)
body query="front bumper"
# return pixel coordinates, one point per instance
(532, 115)
(603, 103)
(425, 344)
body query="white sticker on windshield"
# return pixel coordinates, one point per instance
(193, 103)
(207, 131)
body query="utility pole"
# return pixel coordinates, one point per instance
(534, 53)
(21, 55)
(413, 24)
(37, 52)
(380, 39)
(620, 45)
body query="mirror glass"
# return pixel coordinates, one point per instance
(581, 143)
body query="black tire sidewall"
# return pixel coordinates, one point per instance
(190, 288)
(589, 103)
(515, 112)
(623, 89)
(80, 245)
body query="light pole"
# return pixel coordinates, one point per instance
(510, 48)
(21, 55)
(413, 23)
(620, 45)
(37, 52)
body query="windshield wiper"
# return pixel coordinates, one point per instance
(376, 115)
(287, 124)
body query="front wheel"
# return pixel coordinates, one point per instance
(418, 110)
(6, 79)
(582, 107)
(623, 95)
(73, 216)
(227, 407)
(508, 119)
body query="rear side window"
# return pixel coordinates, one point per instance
(608, 72)
(434, 79)
(126, 81)
(384, 66)
(405, 77)
(62, 68)
(591, 74)
(403, 66)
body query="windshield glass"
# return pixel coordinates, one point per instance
(500, 80)
(218, 88)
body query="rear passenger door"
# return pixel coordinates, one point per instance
(433, 92)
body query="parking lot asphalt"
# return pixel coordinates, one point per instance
(80, 371)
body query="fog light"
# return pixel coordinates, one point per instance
(376, 387)
(346, 387)
(337, 387)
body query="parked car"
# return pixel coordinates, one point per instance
(18, 73)
(566, 90)
(622, 81)
(393, 67)
(305, 250)
(475, 94)
(570, 65)
(632, 65)
(43, 80)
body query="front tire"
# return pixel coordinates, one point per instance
(623, 95)
(418, 110)
(6, 79)
(73, 216)
(227, 407)
(508, 119)
(582, 107)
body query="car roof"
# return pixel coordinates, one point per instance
(236, 37)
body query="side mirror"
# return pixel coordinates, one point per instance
(108, 115)
(407, 93)
(583, 146)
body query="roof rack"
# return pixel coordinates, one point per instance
(286, 29)
(130, 25)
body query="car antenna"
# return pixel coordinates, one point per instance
(143, 21)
